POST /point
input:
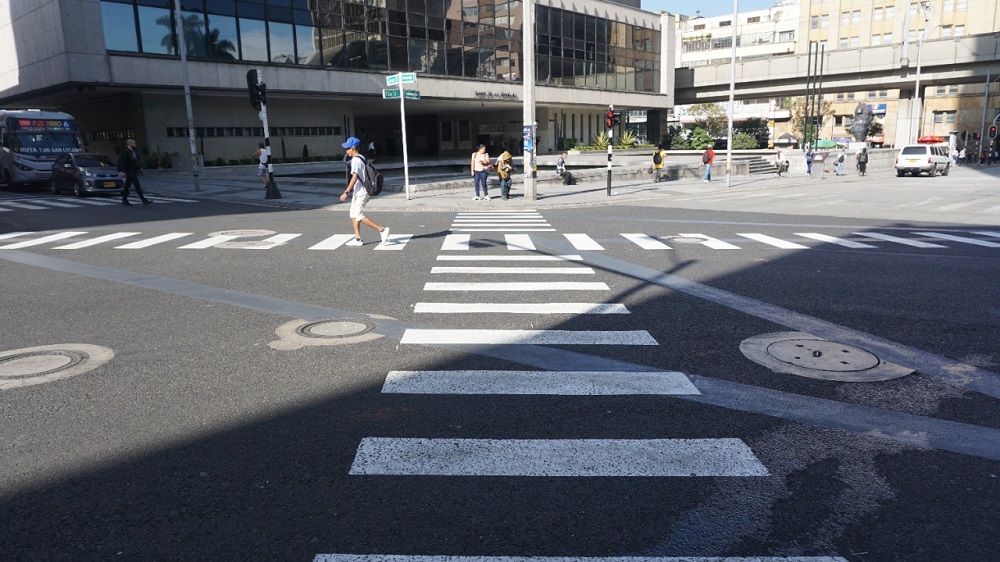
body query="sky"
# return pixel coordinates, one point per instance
(708, 8)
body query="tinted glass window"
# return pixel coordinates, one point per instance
(94, 162)
(119, 27)
(914, 150)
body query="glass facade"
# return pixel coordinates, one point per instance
(478, 39)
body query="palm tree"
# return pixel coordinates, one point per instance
(194, 34)
(220, 48)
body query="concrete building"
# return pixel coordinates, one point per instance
(114, 64)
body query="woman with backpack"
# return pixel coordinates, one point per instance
(505, 170)
(658, 157)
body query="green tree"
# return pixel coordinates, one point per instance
(679, 143)
(797, 107)
(743, 141)
(756, 128)
(673, 132)
(711, 117)
(700, 139)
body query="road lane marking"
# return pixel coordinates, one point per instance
(394, 242)
(834, 240)
(96, 241)
(15, 234)
(772, 241)
(55, 203)
(517, 242)
(526, 337)
(646, 242)
(153, 241)
(511, 229)
(85, 201)
(555, 457)
(520, 308)
(18, 205)
(962, 239)
(42, 240)
(268, 243)
(209, 242)
(520, 286)
(568, 257)
(455, 243)
(516, 270)
(904, 241)
(713, 243)
(563, 383)
(333, 242)
(583, 242)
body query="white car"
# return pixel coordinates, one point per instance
(929, 158)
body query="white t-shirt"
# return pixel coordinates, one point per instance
(358, 167)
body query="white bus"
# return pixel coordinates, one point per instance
(30, 140)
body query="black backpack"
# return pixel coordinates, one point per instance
(657, 158)
(706, 157)
(373, 178)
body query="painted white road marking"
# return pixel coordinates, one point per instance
(14, 234)
(510, 229)
(896, 239)
(566, 257)
(646, 242)
(583, 242)
(520, 308)
(556, 457)
(962, 239)
(519, 286)
(563, 383)
(209, 242)
(517, 242)
(55, 203)
(834, 240)
(516, 270)
(18, 205)
(772, 241)
(96, 241)
(268, 243)
(42, 240)
(713, 243)
(333, 242)
(455, 243)
(394, 242)
(988, 233)
(153, 241)
(97, 202)
(430, 336)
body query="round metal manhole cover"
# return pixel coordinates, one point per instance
(300, 333)
(804, 355)
(243, 233)
(38, 365)
(684, 239)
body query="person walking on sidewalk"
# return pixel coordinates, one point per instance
(840, 162)
(659, 157)
(478, 167)
(779, 162)
(862, 161)
(356, 185)
(708, 158)
(505, 171)
(128, 165)
(261, 157)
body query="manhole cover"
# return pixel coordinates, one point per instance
(243, 233)
(37, 365)
(299, 333)
(804, 355)
(684, 239)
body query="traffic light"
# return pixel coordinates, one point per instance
(975, 136)
(993, 132)
(612, 118)
(258, 92)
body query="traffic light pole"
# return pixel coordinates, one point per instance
(182, 49)
(611, 119)
(258, 99)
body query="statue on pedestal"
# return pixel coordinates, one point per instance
(862, 121)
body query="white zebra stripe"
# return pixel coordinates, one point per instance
(520, 308)
(563, 383)
(431, 336)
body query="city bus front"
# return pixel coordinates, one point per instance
(31, 144)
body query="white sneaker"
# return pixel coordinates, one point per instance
(384, 233)
(487, 198)
(476, 198)
(355, 242)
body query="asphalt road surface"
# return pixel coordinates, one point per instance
(746, 375)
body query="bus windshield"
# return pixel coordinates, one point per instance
(44, 136)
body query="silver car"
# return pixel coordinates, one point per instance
(85, 172)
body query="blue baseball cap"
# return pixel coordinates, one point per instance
(352, 142)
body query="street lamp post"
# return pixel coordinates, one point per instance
(732, 96)
(925, 7)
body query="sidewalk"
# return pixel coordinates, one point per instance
(630, 186)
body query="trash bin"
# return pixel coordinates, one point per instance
(819, 165)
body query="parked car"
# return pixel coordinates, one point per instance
(86, 172)
(928, 158)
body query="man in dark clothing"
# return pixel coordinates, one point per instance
(567, 177)
(128, 165)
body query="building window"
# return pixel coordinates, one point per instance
(945, 31)
(949, 6)
(824, 21)
(856, 17)
(725, 23)
(876, 40)
(755, 19)
(813, 22)
(843, 42)
(959, 30)
(845, 18)
(855, 42)
(877, 14)
(786, 36)
(961, 5)
(890, 13)
(699, 27)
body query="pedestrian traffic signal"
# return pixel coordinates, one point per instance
(257, 91)
(993, 132)
(612, 118)
(975, 136)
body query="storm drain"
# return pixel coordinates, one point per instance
(38, 365)
(804, 355)
(299, 333)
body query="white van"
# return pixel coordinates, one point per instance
(929, 158)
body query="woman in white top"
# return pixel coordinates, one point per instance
(478, 169)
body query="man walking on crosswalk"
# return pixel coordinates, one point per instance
(357, 185)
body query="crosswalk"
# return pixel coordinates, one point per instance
(516, 242)
(477, 457)
(49, 203)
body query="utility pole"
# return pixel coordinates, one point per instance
(258, 99)
(182, 49)
(528, 76)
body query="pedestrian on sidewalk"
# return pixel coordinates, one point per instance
(862, 161)
(810, 154)
(565, 174)
(708, 158)
(478, 168)
(356, 185)
(505, 171)
(779, 162)
(128, 166)
(261, 157)
(840, 162)
(371, 150)
(659, 157)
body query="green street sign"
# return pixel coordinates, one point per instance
(390, 94)
(411, 94)
(408, 78)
